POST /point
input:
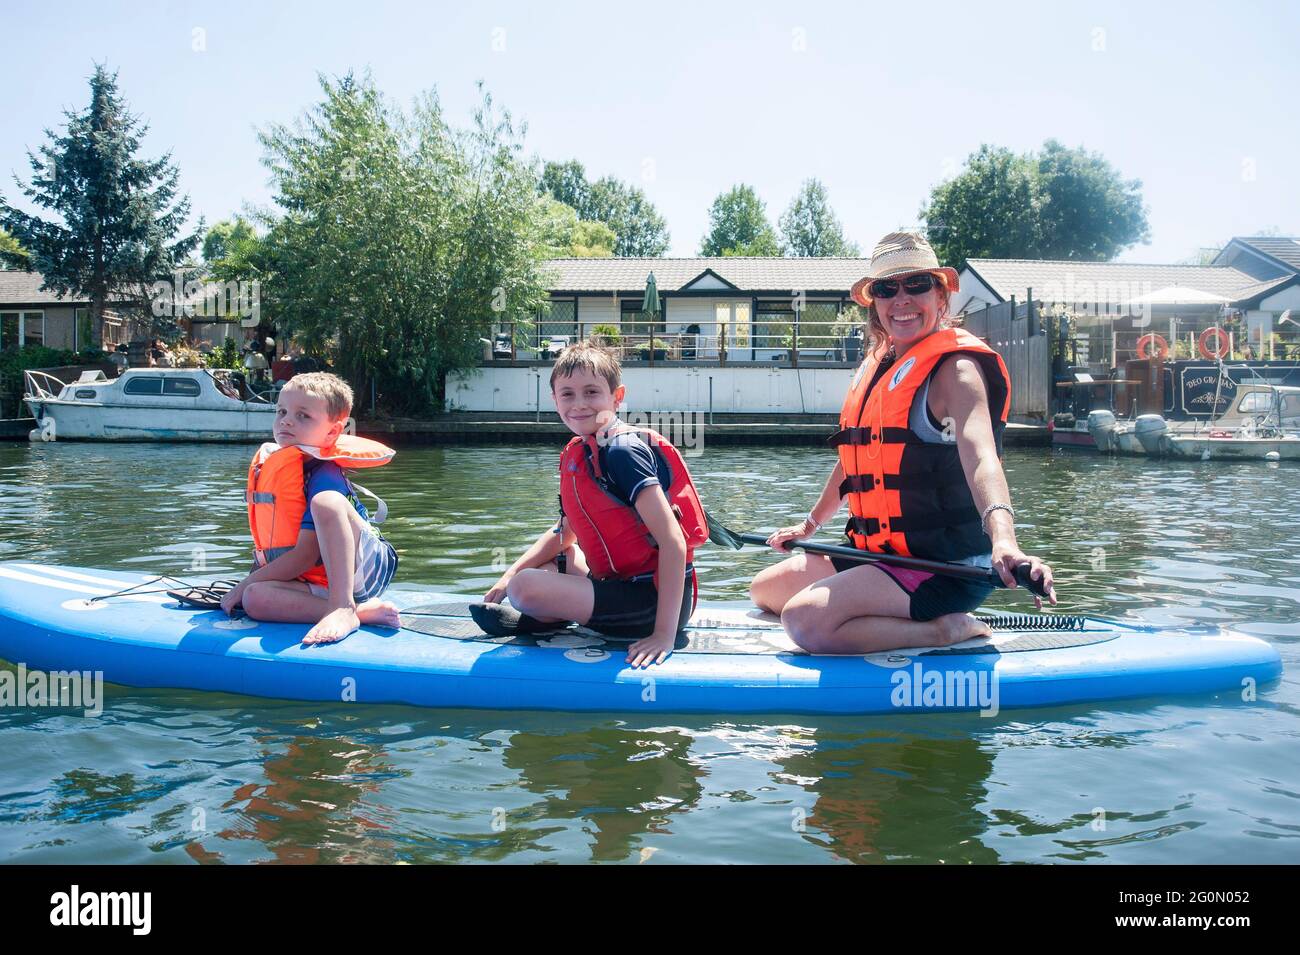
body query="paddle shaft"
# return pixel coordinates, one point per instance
(965, 571)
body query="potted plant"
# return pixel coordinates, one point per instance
(660, 350)
(607, 335)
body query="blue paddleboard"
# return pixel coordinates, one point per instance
(730, 659)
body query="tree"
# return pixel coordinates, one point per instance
(990, 210)
(592, 240)
(565, 235)
(120, 230)
(401, 238)
(738, 225)
(1058, 204)
(10, 250)
(810, 228)
(567, 182)
(225, 237)
(638, 227)
(1089, 211)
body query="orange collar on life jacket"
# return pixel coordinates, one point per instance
(277, 495)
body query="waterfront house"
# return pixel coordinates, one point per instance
(739, 309)
(32, 316)
(1252, 286)
(733, 334)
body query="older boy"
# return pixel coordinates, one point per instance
(629, 519)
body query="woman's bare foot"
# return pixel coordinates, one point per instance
(379, 613)
(956, 627)
(334, 626)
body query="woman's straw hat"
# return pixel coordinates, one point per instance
(899, 254)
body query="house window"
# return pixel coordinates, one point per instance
(817, 326)
(33, 328)
(776, 322)
(773, 324)
(733, 317)
(634, 322)
(19, 329)
(82, 335)
(561, 318)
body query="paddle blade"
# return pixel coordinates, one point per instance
(720, 534)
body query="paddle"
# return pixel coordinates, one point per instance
(723, 535)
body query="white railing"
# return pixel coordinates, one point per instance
(38, 384)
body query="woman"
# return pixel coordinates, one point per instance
(919, 445)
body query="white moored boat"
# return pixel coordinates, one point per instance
(1263, 421)
(147, 404)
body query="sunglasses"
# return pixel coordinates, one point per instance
(912, 285)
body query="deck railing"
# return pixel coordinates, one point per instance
(780, 343)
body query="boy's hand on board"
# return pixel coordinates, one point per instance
(651, 649)
(497, 594)
(232, 599)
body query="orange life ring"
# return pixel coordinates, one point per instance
(1146, 341)
(1220, 337)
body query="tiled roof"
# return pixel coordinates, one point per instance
(1279, 247)
(747, 273)
(24, 288)
(1115, 282)
(1260, 289)
(18, 287)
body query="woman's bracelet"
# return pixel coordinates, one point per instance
(984, 518)
(813, 522)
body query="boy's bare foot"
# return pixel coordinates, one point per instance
(334, 626)
(379, 613)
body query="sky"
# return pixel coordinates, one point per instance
(880, 101)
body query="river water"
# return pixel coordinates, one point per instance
(176, 777)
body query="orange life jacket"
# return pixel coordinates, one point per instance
(611, 534)
(907, 496)
(277, 493)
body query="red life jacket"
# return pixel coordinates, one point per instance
(277, 493)
(610, 533)
(907, 496)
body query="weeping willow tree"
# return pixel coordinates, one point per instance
(400, 239)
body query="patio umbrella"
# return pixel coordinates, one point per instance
(1178, 295)
(650, 304)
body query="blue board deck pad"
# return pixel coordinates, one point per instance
(730, 659)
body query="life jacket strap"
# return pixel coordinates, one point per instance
(936, 520)
(259, 497)
(264, 557)
(381, 509)
(857, 436)
(865, 436)
(867, 526)
(858, 484)
(954, 477)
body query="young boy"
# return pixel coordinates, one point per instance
(619, 560)
(318, 559)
